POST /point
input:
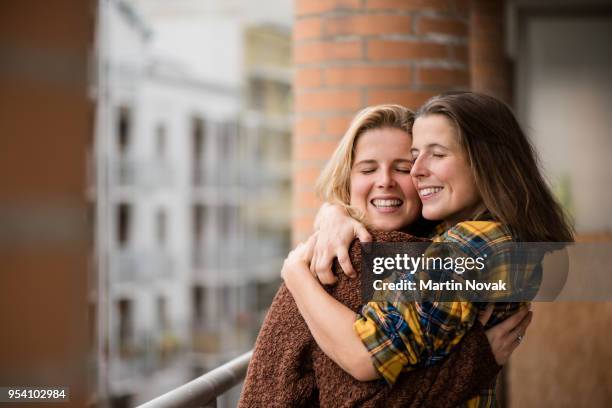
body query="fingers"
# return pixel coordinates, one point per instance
(313, 263)
(326, 277)
(362, 233)
(521, 328)
(323, 270)
(309, 248)
(345, 262)
(485, 315)
(504, 337)
(514, 338)
(319, 248)
(510, 323)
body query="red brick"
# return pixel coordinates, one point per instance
(443, 77)
(409, 5)
(308, 126)
(448, 26)
(337, 125)
(308, 77)
(307, 199)
(461, 53)
(462, 7)
(314, 150)
(365, 75)
(303, 7)
(307, 28)
(410, 98)
(368, 24)
(302, 226)
(327, 51)
(489, 69)
(395, 50)
(328, 100)
(306, 177)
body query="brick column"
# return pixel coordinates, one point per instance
(490, 67)
(349, 54)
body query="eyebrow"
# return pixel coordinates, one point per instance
(365, 162)
(429, 146)
(402, 161)
(370, 161)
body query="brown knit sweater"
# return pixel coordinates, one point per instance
(288, 369)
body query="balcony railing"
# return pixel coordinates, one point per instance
(204, 390)
(143, 173)
(138, 266)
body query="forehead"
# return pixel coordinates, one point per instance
(434, 129)
(383, 140)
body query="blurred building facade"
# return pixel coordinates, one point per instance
(193, 195)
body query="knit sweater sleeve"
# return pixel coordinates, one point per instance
(469, 370)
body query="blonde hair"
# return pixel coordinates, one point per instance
(334, 183)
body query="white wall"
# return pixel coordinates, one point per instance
(565, 98)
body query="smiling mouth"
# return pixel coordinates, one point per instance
(392, 203)
(429, 191)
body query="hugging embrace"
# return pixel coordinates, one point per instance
(460, 170)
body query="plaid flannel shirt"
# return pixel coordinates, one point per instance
(406, 335)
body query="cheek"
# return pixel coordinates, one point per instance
(453, 173)
(462, 182)
(409, 189)
(410, 193)
(446, 171)
(360, 188)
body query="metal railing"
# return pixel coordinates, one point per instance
(204, 390)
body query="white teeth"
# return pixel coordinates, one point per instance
(429, 191)
(386, 203)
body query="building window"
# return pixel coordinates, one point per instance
(124, 128)
(229, 219)
(161, 226)
(257, 88)
(198, 148)
(160, 140)
(228, 135)
(162, 313)
(124, 221)
(126, 327)
(198, 305)
(199, 223)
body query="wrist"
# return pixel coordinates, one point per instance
(295, 272)
(328, 213)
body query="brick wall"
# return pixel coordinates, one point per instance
(349, 54)
(490, 68)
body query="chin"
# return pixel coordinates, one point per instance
(431, 214)
(387, 225)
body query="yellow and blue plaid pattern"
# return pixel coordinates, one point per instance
(407, 335)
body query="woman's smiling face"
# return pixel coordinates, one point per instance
(441, 171)
(381, 186)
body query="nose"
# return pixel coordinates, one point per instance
(419, 168)
(386, 179)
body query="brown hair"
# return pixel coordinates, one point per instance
(504, 165)
(334, 183)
